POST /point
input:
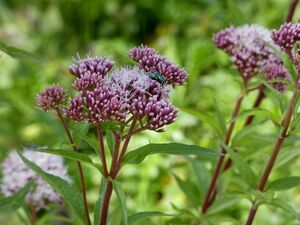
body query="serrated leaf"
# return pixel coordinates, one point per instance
(98, 205)
(110, 139)
(244, 169)
(17, 52)
(17, 200)
(138, 155)
(122, 200)
(71, 197)
(284, 183)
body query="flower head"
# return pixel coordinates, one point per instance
(151, 61)
(247, 48)
(88, 81)
(276, 74)
(104, 104)
(51, 97)
(286, 36)
(98, 65)
(75, 109)
(16, 175)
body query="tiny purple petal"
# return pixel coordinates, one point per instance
(275, 74)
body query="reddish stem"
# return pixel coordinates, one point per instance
(33, 215)
(221, 158)
(291, 10)
(276, 149)
(79, 166)
(106, 200)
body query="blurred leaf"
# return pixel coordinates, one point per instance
(222, 203)
(16, 52)
(140, 216)
(110, 139)
(188, 191)
(71, 197)
(284, 183)
(122, 200)
(207, 119)
(137, 156)
(219, 117)
(70, 154)
(17, 200)
(257, 112)
(93, 142)
(110, 125)
(244, 169)
(286, 207)
(98, 205)
(79, 130)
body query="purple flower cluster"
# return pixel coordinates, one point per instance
(247, 48)
(51, 97)
(126, 92)
(151, 61)
(277, 76)
(98, 65)
(286, 36)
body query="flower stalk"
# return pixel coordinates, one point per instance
(79, 166)
(280, 140)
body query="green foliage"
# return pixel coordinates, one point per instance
(137, 156)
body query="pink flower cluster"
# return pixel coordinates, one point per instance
(128, 92)
(247, 47)
(277, 76)
(151, 61)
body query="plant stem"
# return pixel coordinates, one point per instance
(291, 10)
(218, 168)
(102, 151)
(276, 149)
(123, 151)
(79, 166)
(105, 203)
(249, 120)
(33, 215)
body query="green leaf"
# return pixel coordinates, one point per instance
(71, 197)
(188, 191)
(285, 206)
(79, 130)
(138, 155)
(122, 201)
(284, 183)
(244, 169)
(207, 119)
(258, 112)
(140, 216)
(98, 205)
(17, 200)
(70, 154)
(110, 139)
(93, 142)
(221, 204)
(16, 52)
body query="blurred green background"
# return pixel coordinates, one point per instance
(56, 30)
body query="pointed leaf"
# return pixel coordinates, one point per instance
(140, 216)
(284, 183)
(138, 155)
(71, 197)
(17, 200)
(16, 52)
(79, 130)
(244, 169)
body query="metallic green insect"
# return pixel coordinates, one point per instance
(157, 77)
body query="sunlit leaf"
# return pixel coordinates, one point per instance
(284, 183)
(138, 155)
(16, 52)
